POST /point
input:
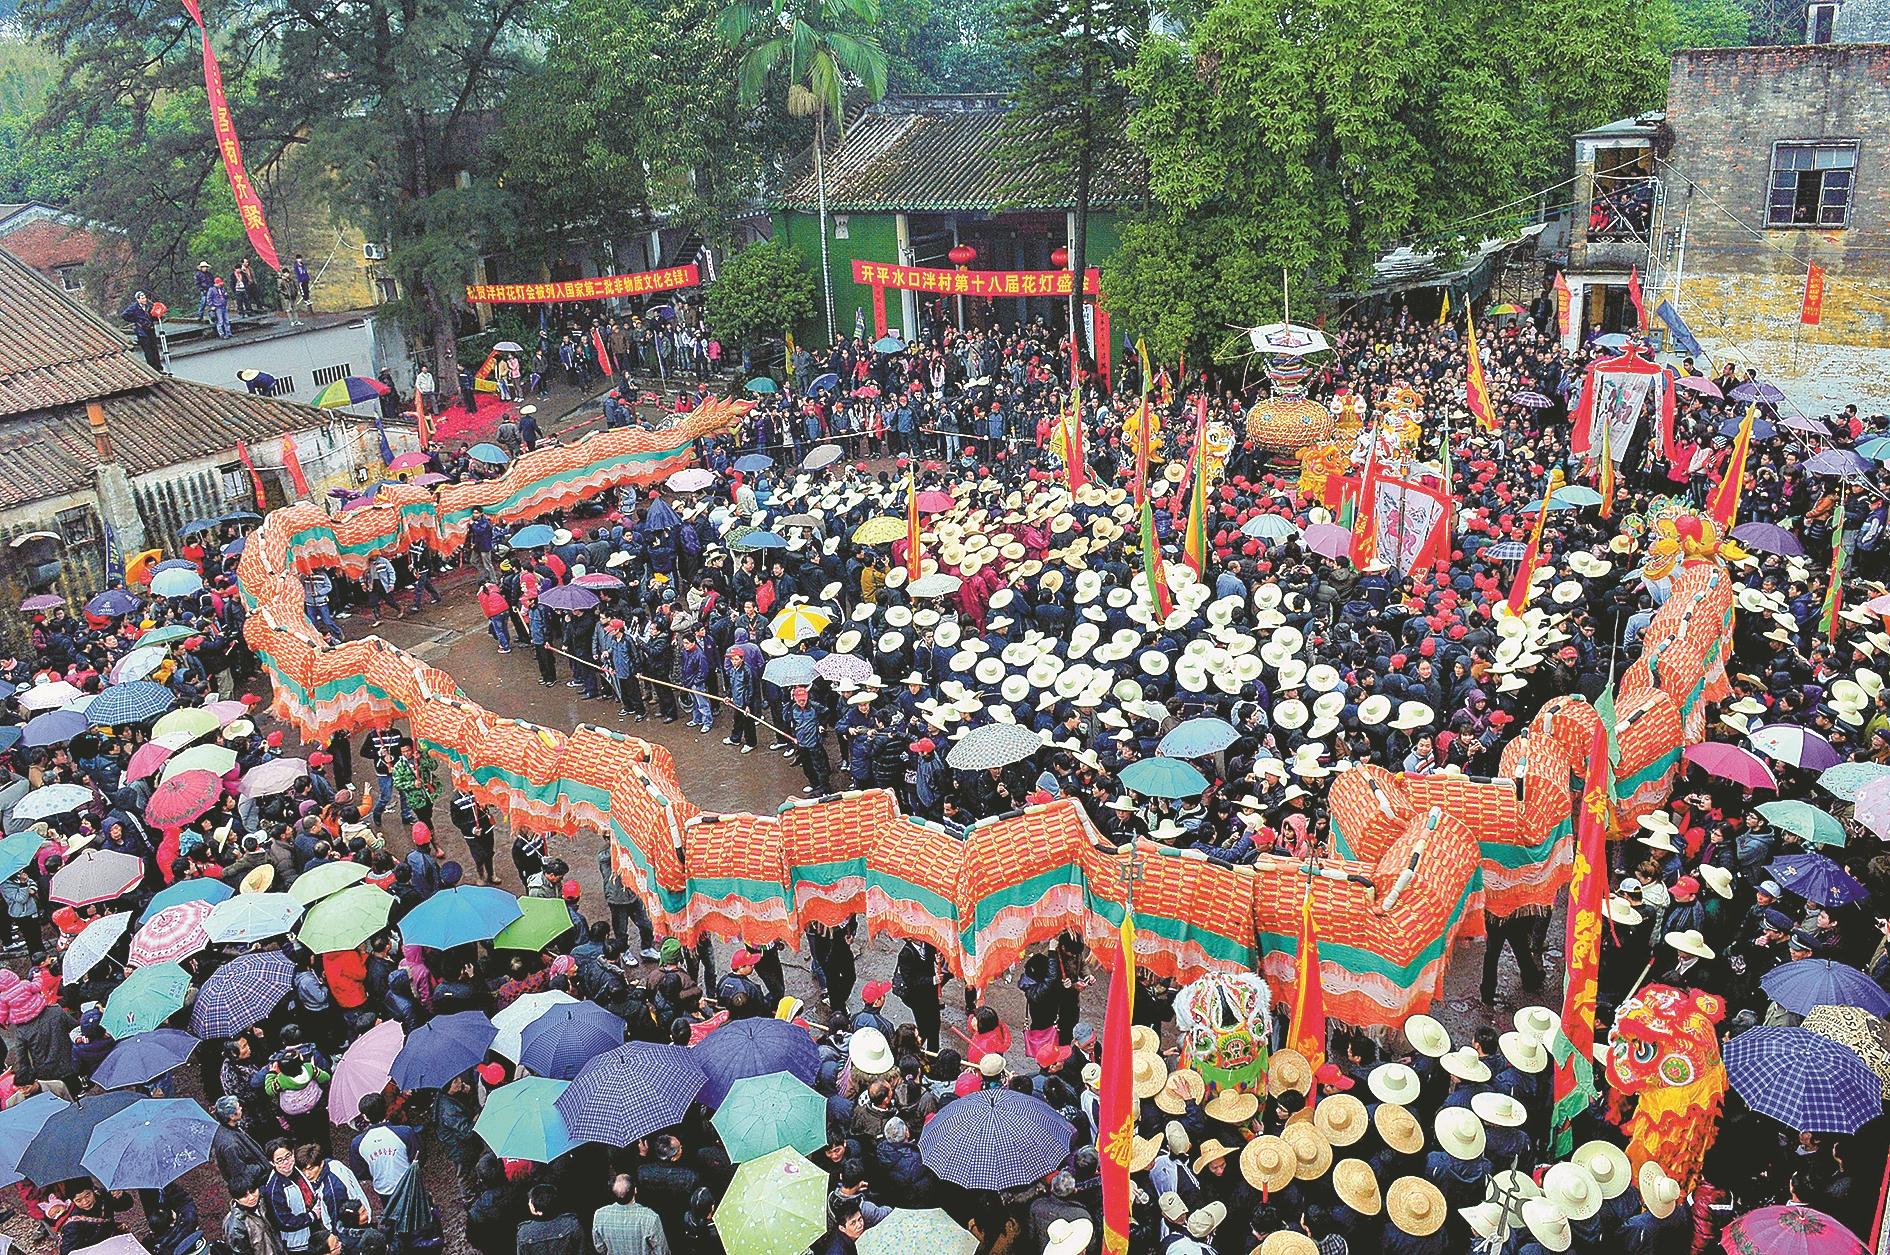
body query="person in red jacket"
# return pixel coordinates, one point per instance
(493, 605)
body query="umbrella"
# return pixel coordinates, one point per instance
(173, 933)
(55, 727)
(660, 517)
(1730, 762)
(144, 1058)
(1865, 1035)
(137, 664)
(568, 597)
(1877, 448)
(1613, 340)
(41, 601)
(508, 346)
(598, 581)
(134, 701)
(1789, 1230)
(241, 993)
(176, 583)
(1329, 540)
(759, 539)
(195, 720)
(1274, 528)
(169, 634)
(490, 454)
(408, 462)
(631, 1092)
(47, 696)
(820, 456)
(880, 530)
(330, 878)
(1799, 747)
(1505, 550)
(216, 760)
(790, 670)
(993, 745)
(799, 623)
(350, 390)
(1198, 737)
(753, 1047)
(764, 1113)
(753, 463)
(93, 943)
(1804, 819)
(1872, 806)
(541, 921)
(934, 501)
(345, 920)
(1702, 385)
(21, 1123)
(909, 1229)
(96, 875)
(566, 1037)
(18, 850)
(410, 1212)
(1847, 781)
(1531, 400)
(535, 536)
(252, 917)
(364, 1069)
(195, 889)
(441, 1049)
(145, 999)
(273, 776)
(112, 603)
(775, 1205)
(691, 479)
(937, 584)
(1805, 1082)
(1810, 426)
(183, 797)
(889, 344)
(995, 1139)
(1808, 983)
(9, 733)
(1768, 538)
(1163, 777)
(1761, 429)
(460, 916)
(837, 667)
(821, 383)
(429, 478)
(1286, 339)
(53, 1154)
(1841, 462)
(1575, 495)
(49, 800)
(1753, 390)
(513, 1020)
(521, 1120)
(1816, 878)
(761, 386)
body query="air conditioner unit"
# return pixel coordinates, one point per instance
(374, 252)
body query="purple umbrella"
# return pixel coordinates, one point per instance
(1798, 422)
(1532, 400)
(1756, 391)
(1329, 539)
(1768, 538)
(1702, 385)
(364, 1069)
(1809, 983)
(55, 727)
(838, 667)
(1838, 462)
(1729, 762)
(1801, 747)
(42, 601)
(1804, 1081)
(567, 597)
(1816, 878)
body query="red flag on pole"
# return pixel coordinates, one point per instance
(1306, 1032)
(249, 206)
(292, 463)
(1476, 389)
(603, 354)
(1563, 299)
(1519, 588)
(1588, 888)
(255, 476)
(912, 527)
(1364, 547)
(1723, 503)
(1811, 309)
(1634, 295)
(1117, 1106)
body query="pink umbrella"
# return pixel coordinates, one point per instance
(1872, 807)
(171, 934)
(1329, 539)
(595, 580)
(1878, 605)
(228, 713)
(1702, 385)
(407, 462)
(1793, 1230)
(429, 479)
(364, 1069)
(936, 502)
(1730, 762)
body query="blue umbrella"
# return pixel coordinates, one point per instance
(241, 993)
(1805, 1082)
(18, 850)
(631, 1092)
(821, 383)
(753, 1048)
(1756, 391)
(194, 526)
(20, 1124)
(760, 540)
(9, 734)
(149, 1144)
(1613, 340)
(1816, 878)
(235, 548)
(174, 564)
(753, 463)
(565, 1038)
(536, 536)
(141, 1059)
(1761, 429)
(134, 701)
(112, 603)
(660, 517)
(54, 1153)
(1576, 495)
(889, 344)
(1198, 737)
(522, 1120)
(789, 670)
(1841, 462)
(1505, 550)
(441, 1049)
(1270, 527)
(1877, 448)
(1844, 780)
(55, 727)
(1809, 983)
(195, 889)
(240, 516)
(490, 454)
(995, 1139)
(1163, 777)
(176, 583)
(458, 917)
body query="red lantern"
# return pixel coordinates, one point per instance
(962, 255)
(1060, 258)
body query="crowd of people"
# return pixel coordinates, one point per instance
(749, 602)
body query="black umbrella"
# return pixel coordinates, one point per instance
(53, 1154)
(410, 1218)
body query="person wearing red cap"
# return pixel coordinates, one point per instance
(423, 865)
(871, 1014)
(738, 992)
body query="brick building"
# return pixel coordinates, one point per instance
(77, 255)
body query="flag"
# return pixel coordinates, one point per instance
(604, 364)
(1723, 503)
(1683, 337)
(249, 206)
(1476, 389)
(1104, 349)
(292, 463)
(788, 338)
(1364, 521)
(1443, 312)
(114, 559)
(1069, 442)
(859, 322)
(380, 432)
(255, 476)
(1450, 493)
(912, 526)
(1117, 1108)
(1306, 1031)
(1811, 309)
(1563, 298)
(1194, 546)
(1634, 295)
(1607, 471)
(1840, 558)
(1519, 588)
(1574, 1044)
(1152, 564)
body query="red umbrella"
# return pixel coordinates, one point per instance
(935, 502)
(1792, 1230)
(1730, 762)
(182, 798)
(407, 461)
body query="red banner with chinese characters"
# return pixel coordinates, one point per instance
(601, 288)
(1811, 309)
(248, 203)
(992, 283)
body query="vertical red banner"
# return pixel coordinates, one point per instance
(879, 309)
(1117, 1104)
(1811, 309)
(1102, 347)
(248, 204)
(1562, 301)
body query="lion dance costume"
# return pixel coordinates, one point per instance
(1664, 1050)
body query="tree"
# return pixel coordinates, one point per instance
(1704, 24)
(762, 291)
(946, 46)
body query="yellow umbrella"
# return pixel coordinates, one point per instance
(800, 623)
(880, 531)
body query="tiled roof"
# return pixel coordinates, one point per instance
(54, 351)
(940, 153)
(164, 423)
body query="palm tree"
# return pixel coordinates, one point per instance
(806, 41)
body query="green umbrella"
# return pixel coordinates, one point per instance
(764, 1113)
(521, 1120)
(145, 999)
(345, 920)
(218, 760)
(909, 1230)
(762, 386)
(775, 1205)
(1805, 820)
(195, 720)
(543, 921)
(319, 882)
(167, 635)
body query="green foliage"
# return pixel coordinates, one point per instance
(762, 290)
(824, 46)
(1701, 24)
(946, 46)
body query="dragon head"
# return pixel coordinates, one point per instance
(1664, 1037)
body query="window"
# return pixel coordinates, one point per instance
(234, 478)
(1819, 20)
(1811, 184)
(75, 525)
(69, 277)
(328, 374)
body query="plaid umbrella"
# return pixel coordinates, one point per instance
(993, 745)
(134, 701)
(172, 933)
(240, 993)
(995, 1139)
(512, 1020)
(1804, 1081)
(566, 1037)
(631, 1092)
(96, 876)
(1808, 983)
(1865, 1035)
(1790, 1230)
(741, 1048)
